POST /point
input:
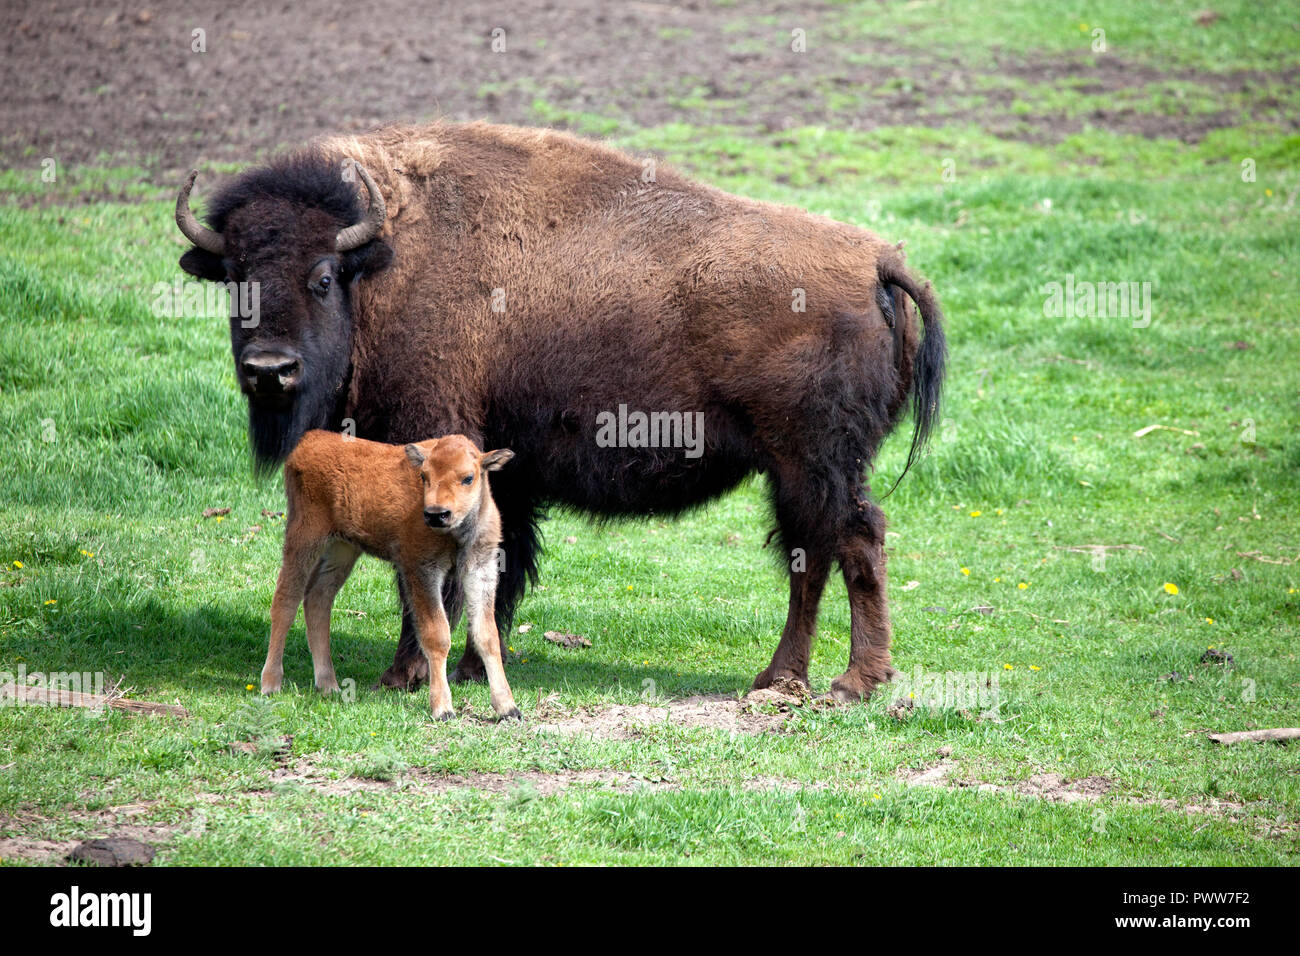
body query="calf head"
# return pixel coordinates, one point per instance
(298, 231)
(452, 472)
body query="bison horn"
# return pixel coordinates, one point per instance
(362, 232)
(194, 231)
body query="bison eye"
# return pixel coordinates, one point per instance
(321, 278)
(467, 480)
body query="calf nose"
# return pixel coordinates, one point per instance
(269, 373)
(437, 517)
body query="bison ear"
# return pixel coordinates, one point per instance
(415, 455)
(496, 460)
(203, 264)
(372, 258)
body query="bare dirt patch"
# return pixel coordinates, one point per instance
(34, 849)
(540, 783)
(1055, 788)
(1043, 786)
(124, 85)
(761, 711)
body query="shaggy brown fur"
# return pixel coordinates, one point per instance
(547, 283)
(425, 508)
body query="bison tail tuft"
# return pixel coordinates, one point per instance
(931, 356)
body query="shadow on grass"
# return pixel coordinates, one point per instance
(215, 650)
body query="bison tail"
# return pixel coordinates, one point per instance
(931, 357)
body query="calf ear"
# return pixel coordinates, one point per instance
(372, 258)
(203, 265)
(496, 460)
(415, 455)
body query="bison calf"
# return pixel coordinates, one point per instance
(425, 508)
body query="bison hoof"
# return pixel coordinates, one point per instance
(779, 676)
(512, 714)
(852, 688)
(404, 676)
(468, 674)
(444, 715)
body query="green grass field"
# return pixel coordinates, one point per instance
(120, 428)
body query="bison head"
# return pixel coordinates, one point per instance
(293, 238)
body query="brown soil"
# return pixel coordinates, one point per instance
(119, 84)
(761, 711)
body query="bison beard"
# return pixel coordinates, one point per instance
(668, 296)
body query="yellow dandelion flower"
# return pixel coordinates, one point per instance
(48, 603)
(18, 564)
(1209, 620)
(1034, 667)
(976, 514)
(1008, 667)
(997, 580)
(1171, 588)
(629, 587)
(999, 511)
(966, 571)
(248, 687)
(1022, 585)
(875, 796)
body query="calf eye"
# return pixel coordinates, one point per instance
(467, 480)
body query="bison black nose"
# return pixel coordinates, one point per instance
(436, 517)
(269, 373)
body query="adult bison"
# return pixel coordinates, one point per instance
(524, 286)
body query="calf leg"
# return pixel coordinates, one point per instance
(862, 557)
(331, 571)
(480, 622)
(425, 591)
(300, 555)
(519, 548)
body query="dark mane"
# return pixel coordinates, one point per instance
(310, 177)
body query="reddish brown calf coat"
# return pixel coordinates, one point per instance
(426, 509)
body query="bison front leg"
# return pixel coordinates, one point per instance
(862, 557)
(410, 666)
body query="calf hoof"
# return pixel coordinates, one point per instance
(512, 714)
(444, 715)
(405, 675)
(326, 689)
(271, 685)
